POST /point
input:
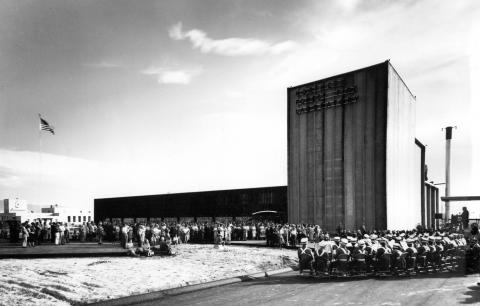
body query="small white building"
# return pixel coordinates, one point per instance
(77, 216)
(17, 209)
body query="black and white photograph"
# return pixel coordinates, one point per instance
(239, 152)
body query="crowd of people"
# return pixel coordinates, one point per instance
(321, 257)
(36, 233)
(393, 252)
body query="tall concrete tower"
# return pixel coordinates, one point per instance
(448, 139)
(352, 152)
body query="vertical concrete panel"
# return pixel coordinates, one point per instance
(373, 95)
(437, 206)
(359, 151)
(319, 170)
(433, 210)
(380, 154)
(421, 177)
(328, 161)
(310, 167)
(429, 207)
(403, 197)
(293, 159)
(303, 210)
(338, 181)
(349, 167)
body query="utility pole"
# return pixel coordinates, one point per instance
(448, 139)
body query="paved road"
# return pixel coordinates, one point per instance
(291, 289)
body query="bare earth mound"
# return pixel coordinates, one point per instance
(67, 281)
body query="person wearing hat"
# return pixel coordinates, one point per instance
(305, 256)
(336, 241)
(351, 245)
(359, 257)
(382, 261)
(432, 254)
(398, 261)
(423, 251)
(321, 260)
(369, 254)
(439, 251)
(341, 256)
(472, 255)
(411, 256)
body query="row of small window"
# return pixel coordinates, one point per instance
(69, 218)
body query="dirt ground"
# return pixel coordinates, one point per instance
(66, 281)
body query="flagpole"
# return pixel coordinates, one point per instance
(40, 150)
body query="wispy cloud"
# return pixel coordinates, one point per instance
(103, 64)
(172, 76)
(229, 46)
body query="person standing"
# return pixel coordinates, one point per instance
(465, 217)
(61, 230)
(262, 231)
(56, 230)
(253, 230)
(67, 233)
(83, 231)
(24, 232)
(31, 235)
(245, 228)
(100, 233)
(38, 232)
(124, 236)
(228, 233)
(48, 231)
(129, 237)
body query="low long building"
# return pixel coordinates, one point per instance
(205, 205)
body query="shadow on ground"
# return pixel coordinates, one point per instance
(473, 295)
(305, 279)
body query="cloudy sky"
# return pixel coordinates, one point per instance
(151, 97)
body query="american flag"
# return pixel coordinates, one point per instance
(44, 126)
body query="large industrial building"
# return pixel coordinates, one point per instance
(193, 206)
(352, 155)
(353, 160)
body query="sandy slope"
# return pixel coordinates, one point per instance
(81, 280)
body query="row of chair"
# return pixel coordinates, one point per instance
(403, 263)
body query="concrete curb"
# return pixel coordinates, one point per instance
(262, 245)
(151, 296)
(279, 271)
(61, 255)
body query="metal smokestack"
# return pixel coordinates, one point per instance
(448, 139)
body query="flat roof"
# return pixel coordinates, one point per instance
(461, 198)
(193, 192)
(387, 62)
